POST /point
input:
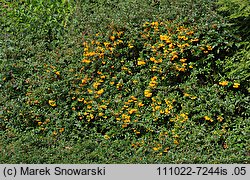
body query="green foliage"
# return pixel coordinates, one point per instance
(235, 8)
(152, 79)
(238, 12)
(237, 66)
(39, 22)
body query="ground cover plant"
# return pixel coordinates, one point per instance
(123, 82)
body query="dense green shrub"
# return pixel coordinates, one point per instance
(156, 80)
(238, 12)
(235, 8)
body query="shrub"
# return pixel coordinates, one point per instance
(156, 82)
(238, 13)
(235, 8)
